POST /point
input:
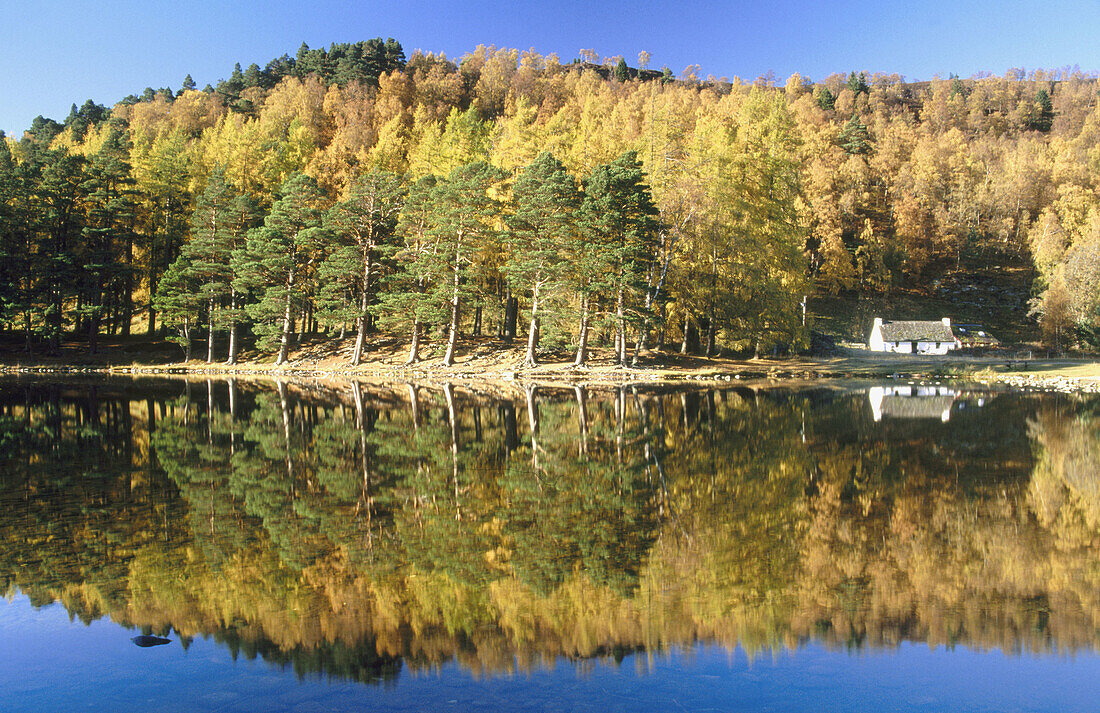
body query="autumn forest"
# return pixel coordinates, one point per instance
(351, 191)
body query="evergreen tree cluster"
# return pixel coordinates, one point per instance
(417, 257)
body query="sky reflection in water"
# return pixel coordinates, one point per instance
(49, 663)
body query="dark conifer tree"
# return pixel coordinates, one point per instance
(541, 229)
(272, 266)
(361, 228)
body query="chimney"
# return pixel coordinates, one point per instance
(947, 322)
(878, 322)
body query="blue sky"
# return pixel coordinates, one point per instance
(54, 53)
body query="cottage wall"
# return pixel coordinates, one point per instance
(934, 347)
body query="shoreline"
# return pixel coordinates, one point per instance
(1068, 375)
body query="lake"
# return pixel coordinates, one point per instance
(336, 546)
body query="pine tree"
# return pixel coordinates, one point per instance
(857, 83)
(362, 228)
(108, 236)
(218, 227)
(178, 302)
(56, 204)
(463, 218)
(1044, 119)
(824, 98)
(622, 72)
(273, 263)
(405, 301)
(13, 249)
(619, 218)
(545, 198)
(854, 137)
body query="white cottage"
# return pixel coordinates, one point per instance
(912, 337)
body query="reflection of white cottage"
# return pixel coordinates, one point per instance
(909, 402)
(912, 337)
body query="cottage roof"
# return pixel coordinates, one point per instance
(917, 406)
(915, 331)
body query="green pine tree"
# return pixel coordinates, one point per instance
(545, 199)
(854, 137)
(405, 301)
(108, 236)
(620, 222)
(218, 227)
(179, 304)
(463, 221)
(362, 229)
(272, 266)
(1044, 118)
(622, 72)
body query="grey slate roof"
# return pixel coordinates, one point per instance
(913, 331)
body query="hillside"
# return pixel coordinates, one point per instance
(994, 296)
(354, 189)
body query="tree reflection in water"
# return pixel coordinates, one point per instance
(354, 529)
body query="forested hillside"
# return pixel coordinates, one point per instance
(351, 190)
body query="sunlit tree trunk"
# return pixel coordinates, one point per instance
(582, 334)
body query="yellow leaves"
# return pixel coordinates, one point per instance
(426, 154)
(438, 149)
(257, 155)
(390, 152)
(518, 138)
(494, 82)
(297, 102)
(396, 95)
(591, 144)
(237, 145)
(193, 112)
(836, 272)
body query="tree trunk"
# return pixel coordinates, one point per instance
(185, 332)
(210, 333)
(152, 310)
(93, 333)
(288, 324)
(582, 335)
(533, 330)
(414, 349)
(232, 327)
(128, 286)
(620, 330)
(361, 335)
(511, 315)
(662, 331)
(452, 339)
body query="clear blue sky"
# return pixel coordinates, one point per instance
(54, 53)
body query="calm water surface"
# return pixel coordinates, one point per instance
(353, 547)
